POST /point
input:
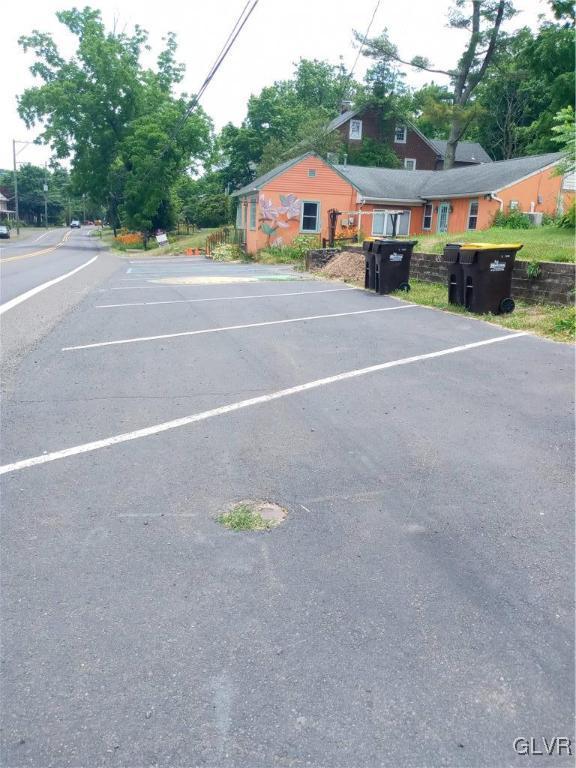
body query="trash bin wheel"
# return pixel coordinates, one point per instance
(404, 287)
(507, 306)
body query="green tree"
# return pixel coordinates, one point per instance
(96, 107)
(285, 119)
(483, 22)
(430, 110)
(373, 153)
(530, 81)
(31, 194)
(203, 202)
(565, 137)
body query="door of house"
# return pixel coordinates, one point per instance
(443, 215)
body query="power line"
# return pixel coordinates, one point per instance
(230, 40)
(363, 43)
(212, 70)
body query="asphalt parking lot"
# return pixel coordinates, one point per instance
(415, 608)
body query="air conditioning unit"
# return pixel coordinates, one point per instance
(535, 218)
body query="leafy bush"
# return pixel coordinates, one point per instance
(227, 252)
(512, 220)
(296, 250)
(533, 270)
(568, 221)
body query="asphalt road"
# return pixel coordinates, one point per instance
(33, 264)
(415, 608)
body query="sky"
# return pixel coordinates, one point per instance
(278, 33)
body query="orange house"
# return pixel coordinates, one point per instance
(295, 198)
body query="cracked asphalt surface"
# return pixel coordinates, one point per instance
(415, 608)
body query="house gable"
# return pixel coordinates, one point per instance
(415, 151)
(311, 175)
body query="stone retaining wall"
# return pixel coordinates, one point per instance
(555, 283)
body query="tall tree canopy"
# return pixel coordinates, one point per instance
(284, 119)
(483, 20)
(127, 134)
(531, 80)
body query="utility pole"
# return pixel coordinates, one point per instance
(84, 203)
(45, 196)
(16, 206)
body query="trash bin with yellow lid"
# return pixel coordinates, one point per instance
(486, 274)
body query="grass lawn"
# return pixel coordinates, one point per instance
(540, 243)
(553, 322)
(177, 245)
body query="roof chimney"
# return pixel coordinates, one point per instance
(345, 106)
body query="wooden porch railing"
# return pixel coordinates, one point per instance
(217, 238)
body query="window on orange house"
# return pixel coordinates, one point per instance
(310, 216)
(427, 221)
(473, 214)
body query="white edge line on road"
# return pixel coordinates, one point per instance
(186, 420)
(221, 298)
(29, 294)
(163, 336)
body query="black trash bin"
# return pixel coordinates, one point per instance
(451, 258)
(392, 265)
(369, 266)
(487, 276)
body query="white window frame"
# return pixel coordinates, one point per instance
(374, 213)
(514, 205)
(318, 218)
(252, 203)
(410, 160)
(405, 129)
(445, 205)
(385, 211)
(424, 215)
(475, 216)
(358, 125)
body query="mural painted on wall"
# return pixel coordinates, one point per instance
(275, 217)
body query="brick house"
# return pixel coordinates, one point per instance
(415, 151)
(295, 198)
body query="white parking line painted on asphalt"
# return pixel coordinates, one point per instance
(29, 294)
(164, 336)
(235, 279)
(202, 416)
(222, 298)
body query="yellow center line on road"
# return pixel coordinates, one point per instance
(37, 253)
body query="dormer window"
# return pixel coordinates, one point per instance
(355, 132)
(400, 134)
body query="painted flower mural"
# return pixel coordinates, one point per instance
(270, 214)
(290, 206)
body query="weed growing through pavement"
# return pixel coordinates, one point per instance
(243, 518)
